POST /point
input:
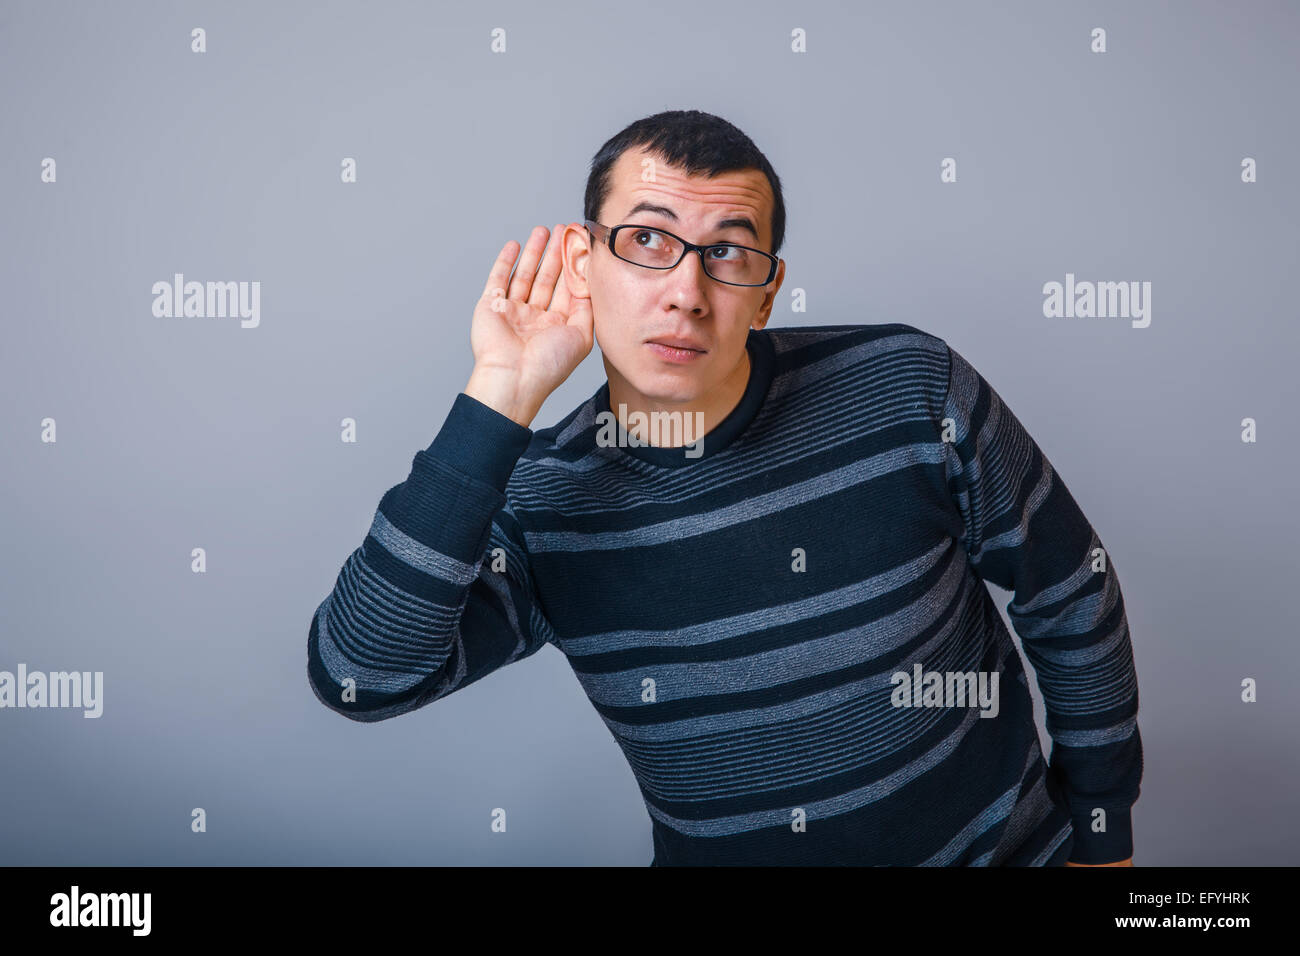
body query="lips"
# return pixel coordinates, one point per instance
(677, 342)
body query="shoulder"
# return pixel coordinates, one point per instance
(894, 339)
(557, 456)
(566, 439)
(896, 355)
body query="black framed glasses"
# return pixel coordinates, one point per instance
(654, 248)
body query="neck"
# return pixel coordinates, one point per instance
(698, 417)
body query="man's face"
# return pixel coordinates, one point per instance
(631, 305)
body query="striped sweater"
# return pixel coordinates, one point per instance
(787, 634)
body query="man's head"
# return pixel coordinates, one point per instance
(696, 176)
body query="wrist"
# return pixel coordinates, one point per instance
(498, 389)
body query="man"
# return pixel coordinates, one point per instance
(776, 604)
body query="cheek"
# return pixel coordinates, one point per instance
(608, 327)
(618, 306)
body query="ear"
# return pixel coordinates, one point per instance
(769, 299)
(576, 252)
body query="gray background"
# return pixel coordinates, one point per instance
(177, 433)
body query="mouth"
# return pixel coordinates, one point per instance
(676, 350)
(677, 343)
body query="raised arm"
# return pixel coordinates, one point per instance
(440, 592)
(420, 610)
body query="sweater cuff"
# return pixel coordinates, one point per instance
(480, 442)
(1112, 846)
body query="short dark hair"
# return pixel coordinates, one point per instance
(696, 142)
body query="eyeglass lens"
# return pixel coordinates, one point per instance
(657, 250)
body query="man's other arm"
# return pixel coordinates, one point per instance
(1025, 532)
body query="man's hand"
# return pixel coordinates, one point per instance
(1128, 862)
(528, 338)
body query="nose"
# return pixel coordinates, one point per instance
(689, 280)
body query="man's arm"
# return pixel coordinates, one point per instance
(424, 607)
(1025, 532)
(419, 610)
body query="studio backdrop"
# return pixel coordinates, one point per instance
(182, 486)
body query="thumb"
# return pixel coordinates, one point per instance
(580, 317)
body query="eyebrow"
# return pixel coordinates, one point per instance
(742, 222)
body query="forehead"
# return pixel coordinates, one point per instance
(698, 201)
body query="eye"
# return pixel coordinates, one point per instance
(650, 234)
(730, 253)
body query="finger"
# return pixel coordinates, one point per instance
(527, 267)
(562, 301)
(544, 285)
(497, 278)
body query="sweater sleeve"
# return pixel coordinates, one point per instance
(428, 604)
(1025, 533)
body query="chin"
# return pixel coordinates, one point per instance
(669, 386)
